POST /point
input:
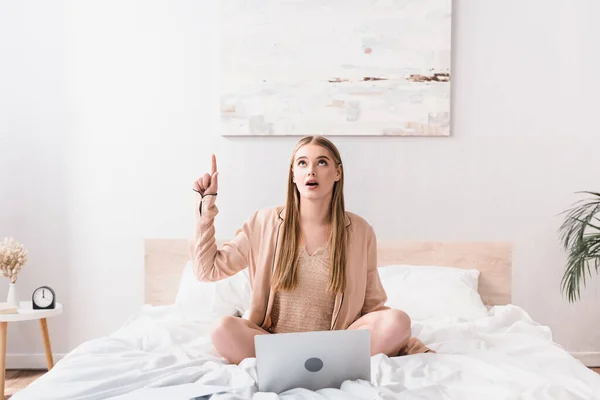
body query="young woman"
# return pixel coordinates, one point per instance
(312, 264)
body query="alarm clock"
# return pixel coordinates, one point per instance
(43, 298)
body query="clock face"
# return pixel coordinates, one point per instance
(43, 297)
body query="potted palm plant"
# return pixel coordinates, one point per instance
(580, 237)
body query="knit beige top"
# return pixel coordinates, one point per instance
(309, 306)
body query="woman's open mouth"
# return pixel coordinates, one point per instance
(312, 184)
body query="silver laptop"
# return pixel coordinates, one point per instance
(312, 360)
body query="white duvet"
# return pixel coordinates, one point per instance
(505, 355)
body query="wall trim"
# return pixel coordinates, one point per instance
(30, 361)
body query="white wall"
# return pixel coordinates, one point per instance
(33, 162)
(109, 110)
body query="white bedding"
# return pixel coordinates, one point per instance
(504, 355)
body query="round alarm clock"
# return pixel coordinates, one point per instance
(43, 298)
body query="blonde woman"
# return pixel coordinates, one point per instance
(312, 264)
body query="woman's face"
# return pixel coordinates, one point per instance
(314, 171)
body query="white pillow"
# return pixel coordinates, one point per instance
(425, 292)
(206, 301)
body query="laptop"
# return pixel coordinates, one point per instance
(312, 360)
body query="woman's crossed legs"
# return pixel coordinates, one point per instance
(390, 330)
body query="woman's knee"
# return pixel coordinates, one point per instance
(224, 329)
(397, 322)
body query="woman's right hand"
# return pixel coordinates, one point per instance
(208, 183)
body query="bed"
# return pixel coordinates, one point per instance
(486, 347)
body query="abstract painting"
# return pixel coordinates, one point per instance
(335, 67)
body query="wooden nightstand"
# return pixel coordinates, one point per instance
(26, 313)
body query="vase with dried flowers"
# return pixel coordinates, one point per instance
(12, 258)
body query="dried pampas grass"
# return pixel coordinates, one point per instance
(12, 258)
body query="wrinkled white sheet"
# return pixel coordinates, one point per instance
(505, 355)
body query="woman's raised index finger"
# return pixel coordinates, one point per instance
(214, 164)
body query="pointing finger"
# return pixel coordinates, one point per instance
(214, 164)
(214, 181)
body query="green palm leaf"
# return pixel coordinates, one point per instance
(580, 237)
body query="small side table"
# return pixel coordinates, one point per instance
(26, 313)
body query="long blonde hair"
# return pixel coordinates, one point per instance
(285, 277)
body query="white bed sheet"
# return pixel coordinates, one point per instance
(505, 355)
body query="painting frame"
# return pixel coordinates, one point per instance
(336, 68)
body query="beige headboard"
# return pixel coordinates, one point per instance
(166, 258)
